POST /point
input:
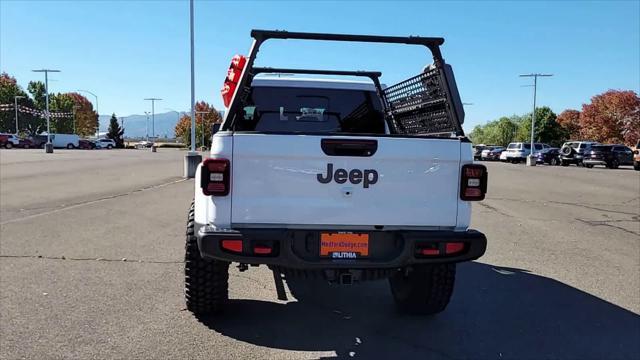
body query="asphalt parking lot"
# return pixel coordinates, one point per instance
(91, 249)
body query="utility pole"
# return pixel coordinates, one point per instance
(192, 159)
(530, 160)
(153, 115)
(15, 105)
(48, 148)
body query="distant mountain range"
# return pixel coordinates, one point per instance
(136, 125)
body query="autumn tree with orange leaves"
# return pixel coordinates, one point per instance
(86, 119)
(612, 117)
(569, 120)
(210, 117)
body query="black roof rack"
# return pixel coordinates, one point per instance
(432, 43)
(260, 36)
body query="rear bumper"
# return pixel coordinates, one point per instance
(301, 248)
(594, 161)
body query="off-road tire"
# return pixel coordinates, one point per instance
(553, 162)
(564, 163)
(636, 165)
(206, 281)
(567, 151)
(425, 290)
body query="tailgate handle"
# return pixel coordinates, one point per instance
(349, 147)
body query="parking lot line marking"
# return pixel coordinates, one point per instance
(91, 259)
(73, 206)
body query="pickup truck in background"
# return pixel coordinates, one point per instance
(339, 179)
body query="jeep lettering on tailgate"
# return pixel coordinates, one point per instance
(355, 176)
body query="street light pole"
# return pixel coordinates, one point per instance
(147, 113)
(15, 105)
(97, 111)
(192, 159)
(153, 115)
(530, 160)
(48, 147)
(202, 113)
(75, 108)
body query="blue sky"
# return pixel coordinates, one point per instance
(125, 51)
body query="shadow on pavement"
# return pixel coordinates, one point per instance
(494, 313)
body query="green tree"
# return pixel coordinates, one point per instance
(115, 132)
(38, 93)
(61, 103)
(477, 135)
(504, 131)
(27, 122)
(548, 129)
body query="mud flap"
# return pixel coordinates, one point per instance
(277, 278)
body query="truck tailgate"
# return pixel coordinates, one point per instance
(284, 180)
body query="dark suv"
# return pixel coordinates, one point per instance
(610, 156)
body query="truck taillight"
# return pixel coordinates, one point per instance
(215, 177)
(233, 77)
(473, 184)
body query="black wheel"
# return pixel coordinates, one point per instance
(636, 165)
(8, 145)
(70, 146)
(553, 162)
(564, 163)
(206, 281)
(588, 166)
(425, 290)
(109, 147)
(614, 164)
(26, 146)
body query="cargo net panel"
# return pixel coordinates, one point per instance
(419, 105)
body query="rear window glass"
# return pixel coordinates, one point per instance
(311, 110)
(527, 146)
(601, 148)
(513, 146)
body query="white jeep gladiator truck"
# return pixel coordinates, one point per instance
(348, 180)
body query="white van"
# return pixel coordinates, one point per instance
(69, 141)
(518, 152)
